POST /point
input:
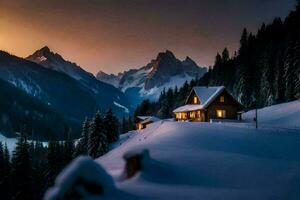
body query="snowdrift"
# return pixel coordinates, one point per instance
(194, 160)
(209, 161)
(281, 115)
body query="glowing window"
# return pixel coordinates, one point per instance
(221, 113)
(192, 115)
(195, 100)
(222, 99)
(140, 126)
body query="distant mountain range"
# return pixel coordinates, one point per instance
(147, 82)
(62, 86)
(104, 94)
(45, 95)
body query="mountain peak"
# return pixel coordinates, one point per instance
(166, 54)
(45, 49)
(41, 55)
(189, 61)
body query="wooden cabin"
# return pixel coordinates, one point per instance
(143, 121)
(208, 103)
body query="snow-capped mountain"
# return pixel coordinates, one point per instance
(104, 93)
(165, 71)
(71, 98)
(110, 78)
(54, 61)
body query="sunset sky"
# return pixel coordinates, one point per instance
(113, 35)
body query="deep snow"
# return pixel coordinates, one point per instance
(194, 160)
(285, 115)
(197, 160)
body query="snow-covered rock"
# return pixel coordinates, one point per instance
(84, 179)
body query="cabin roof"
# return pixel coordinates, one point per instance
(143, 117)
(189, 107)
(207, 94)
(150, 119)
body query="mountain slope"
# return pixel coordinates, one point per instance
(68, 97)
(255, 163)
(21, 112)
(104, 94)
(147, 82)
(209, 161)
(62, 92)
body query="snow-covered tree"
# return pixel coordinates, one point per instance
(81, 147)
(111, 125)
(97, 141)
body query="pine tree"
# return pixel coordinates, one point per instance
(81, 147)
(22, 170)
(68, 149)
(97, 142)
(54, 161)
(1, 161)
(111, 125)
(125, 125)
(131, 125)
(5, 174)
(2, 169)
(39, 162)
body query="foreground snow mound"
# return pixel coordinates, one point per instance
(191, 160)
(84, 179)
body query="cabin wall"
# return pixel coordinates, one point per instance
(229, 105)
(197, 115)
(190, 99)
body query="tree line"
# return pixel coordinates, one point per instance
(32, 168)
(264, 71)
(266, 68)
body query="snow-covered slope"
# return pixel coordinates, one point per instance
(197, 160)
(147, 82)
(280, 115)
(210, 161)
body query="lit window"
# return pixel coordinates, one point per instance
(140, 126)
(195, 100)
(222, 99)
(192, 115)
(221, 113)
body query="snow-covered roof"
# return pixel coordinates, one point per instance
(150, 119)
(207, 94)
(189, 107)
(143, 117)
